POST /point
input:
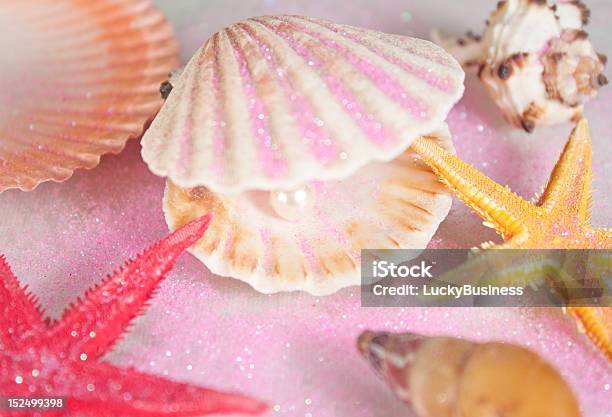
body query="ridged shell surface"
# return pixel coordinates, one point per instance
(275, 102)
(78, 79)
(397, 204)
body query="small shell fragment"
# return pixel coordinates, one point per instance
(79, 78)
(272, 103)
(397, 204)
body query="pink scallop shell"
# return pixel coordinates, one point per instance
(79, 78)
(391, 205)
(275, 102)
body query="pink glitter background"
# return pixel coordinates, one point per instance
(293, 350)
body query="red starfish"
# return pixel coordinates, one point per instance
(62, 359)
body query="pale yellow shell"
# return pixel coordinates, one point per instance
(449, 377)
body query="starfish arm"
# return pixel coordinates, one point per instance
(20, 317)
(600, 238)
(596, 323)
(94, 324)
(95, 389)
(102, 389)
(493, 202)
(569, 188)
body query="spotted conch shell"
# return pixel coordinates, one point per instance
(273, 103)
(535, 60)
(447, 377)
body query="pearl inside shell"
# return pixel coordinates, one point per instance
(292, 204)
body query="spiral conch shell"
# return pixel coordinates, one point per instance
(535, 60)
(294, 132)
(447, 377)
(78, 79)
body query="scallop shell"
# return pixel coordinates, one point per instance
(79, 78)
(397, 204)
(276, 102)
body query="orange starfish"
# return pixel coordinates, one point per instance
(559, 219)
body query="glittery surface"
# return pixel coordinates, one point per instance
(61, 359)
(293, 350)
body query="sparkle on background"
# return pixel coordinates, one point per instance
(58, 248)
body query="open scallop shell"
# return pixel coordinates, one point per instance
(397, 204)
(79, 78)
(276, 102)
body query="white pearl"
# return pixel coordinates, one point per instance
(293, 204)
